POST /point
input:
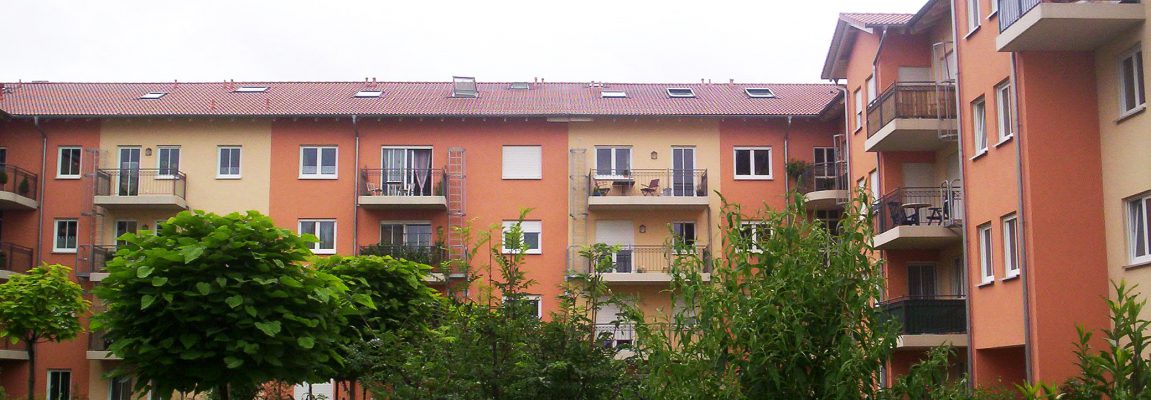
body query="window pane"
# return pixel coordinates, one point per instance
(603, 161)
(1138, 227)
(762, 162)
(1139, 74)
(327, 235)
(622, 161)
(532, 240)
(1129, 83)
(391, 234)
(419, 235)
(308, 227)
(328, 161)
(743, 162)
(310, 162)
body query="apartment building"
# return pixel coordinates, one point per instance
(391, 168)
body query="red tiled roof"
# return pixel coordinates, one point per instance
(408, 99)
(876, 19)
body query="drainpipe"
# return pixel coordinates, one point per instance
(356, 190)
(43, 168)
(1022, 221)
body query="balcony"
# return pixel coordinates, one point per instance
(918, 218)
(824, 186)
(10, 351)
(134, 189)
(616, 336)
(929, 321)
(433, 255)
(910, 116)
(98, 347)
(1064, 25)
(90, 261)
(640, 264)
(14, 259)
(17, 188)
(403, 189)
(636, 189)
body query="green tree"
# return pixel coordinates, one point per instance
(788, 313)
(212, 301)
(41, 305)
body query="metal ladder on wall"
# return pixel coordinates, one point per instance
(92, 213)
(456, 193)
(944, 78)
(839, 142)
(577, 195)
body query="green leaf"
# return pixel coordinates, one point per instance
(250, 310)
(204, 288)
(144, 271)
(146, 300)
(233, 362)
(269, 328)
(159, 281)
(306, 342)
(234, 301)
(191, 253)
(188, 340)
(290, 282)
(222, 281)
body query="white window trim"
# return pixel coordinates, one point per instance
(523, 229)
(1130, 231)
(1003, 98)
(614, 149)
(974, 19)
(160, 167)
(754, 248)
(858, 110)
(319, 162)
(1141, 103)
(986, 253)
(56, 236)
(220, 157)
(315, 247)
(753, 176)
(504, 172)
(405, 224)
(979, 126)
(48, 377)
(536, 298)
(1011, 266)
(60, 162)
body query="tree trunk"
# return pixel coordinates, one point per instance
(223, 389)
(32, 369)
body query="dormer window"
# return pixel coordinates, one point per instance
(613, 94)
(251, 89)
(759, 93)
(464, 86)
(680, 92)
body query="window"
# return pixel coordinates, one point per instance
(979, 125)
(59, 384)
(69, 163)
(530, 238)
(318, 162)
(1003, 104)
(228, 163)
(830, 220)
(973, 15)
(754, 232)
(1131, 81)
(65, 238)
(3, 156)
(168, 162)
(532, 303)
(760, 93)
(465, 86)
(752, 163)
(123, 227)
(406, 234)
(325, 230)
(152, 95)
(1010, 247)
(873, 181)
(871, 89)
(251, 89)
(612, 161)
(120, 388)
(680, 92)
(858, 109)
(684, 233)
(1139, 229)
(523, 162)
(520, 86)
(994, 8)
(367, 94)
(986, 266)
(613, 94)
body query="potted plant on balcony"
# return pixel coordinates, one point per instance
(3, 176)
(24, 187)
(795, 168)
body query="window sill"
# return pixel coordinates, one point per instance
(1004, 140)
(68, 177)
(63, 251)
(522, 179)
(1137, 264)
(987, 283)
(972, 32)
(753, 178)
(324, 252)
(858, 129)
(1135, 111)
(228, 177)
(979, 155)
(993, 13)
(528, 253)
(319, 177)
(1010, 277)
(166, 178)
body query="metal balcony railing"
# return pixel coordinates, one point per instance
(614, 335)
(640, 259)
(432, 255)
(97, 341)
(408, 182)
(648, 182)
(822, 176)
(928, 315)
(915, 100)
(15, 258)
(1010, 11)
(915, 206)
(141, 182)
(92, 259)
(18, 180)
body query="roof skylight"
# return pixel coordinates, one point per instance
(520, 86)
(152, 95)
(464, 86)
(759, 93)
(680, 92)
(251, 89)
(369, 93)
(613, 94)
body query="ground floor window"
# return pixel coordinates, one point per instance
(59, 384)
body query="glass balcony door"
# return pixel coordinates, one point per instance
(407, 171)
(129, 174)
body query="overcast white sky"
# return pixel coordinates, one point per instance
(424, 40)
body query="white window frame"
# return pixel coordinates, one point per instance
(315, 247)
(1011, 267)
(754, 248)
(319, 174)
(1136, 56)
(751, 158)
(405, 224)
(160, 167)
(526, 227)
(519, 175)
(613, 167)
(1004, 111)
(1130, 205)
(60, 162)
(871, 89)
(56, 235)
(974, 16)
(49, 382)
(986, 254)
(979, 125)
(994, 8)
(858, 109)
(239, 165)
(539, 303)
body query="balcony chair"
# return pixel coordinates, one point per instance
(938, 214)
(373, 189)
(651, 189)
(899, 216)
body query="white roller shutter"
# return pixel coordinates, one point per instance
(523, 162)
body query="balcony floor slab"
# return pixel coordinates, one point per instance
(146, 202)
(646, 202)
(905, 134)
(919, 342)
(905, 237)
(404, 202)
(825, 199)
(13, 201)
(1069, 26)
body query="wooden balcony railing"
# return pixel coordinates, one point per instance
(912, 100)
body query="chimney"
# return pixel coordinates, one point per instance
(175, 83)
(708, 81)
(700, 81)
(536, 80)
(373, 81)
(731, 81)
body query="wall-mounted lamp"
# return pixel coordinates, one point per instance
(643, 229)
(148, 152)
(654, 155)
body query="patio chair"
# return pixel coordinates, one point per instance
(373, 189)
(899, 216)
(651, 189)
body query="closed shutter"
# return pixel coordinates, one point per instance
(523, 162)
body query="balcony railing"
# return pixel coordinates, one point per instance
(407, 182)
(928, 315)
(615, 336)
(141, 182)
(97, 341)
(92, 259)
(823, 176)
(15, 258)
(640, 259)
(912, 100)
(648, 182)
(18, 180)
(915, 206)
(432, 255)
(1011, 11)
